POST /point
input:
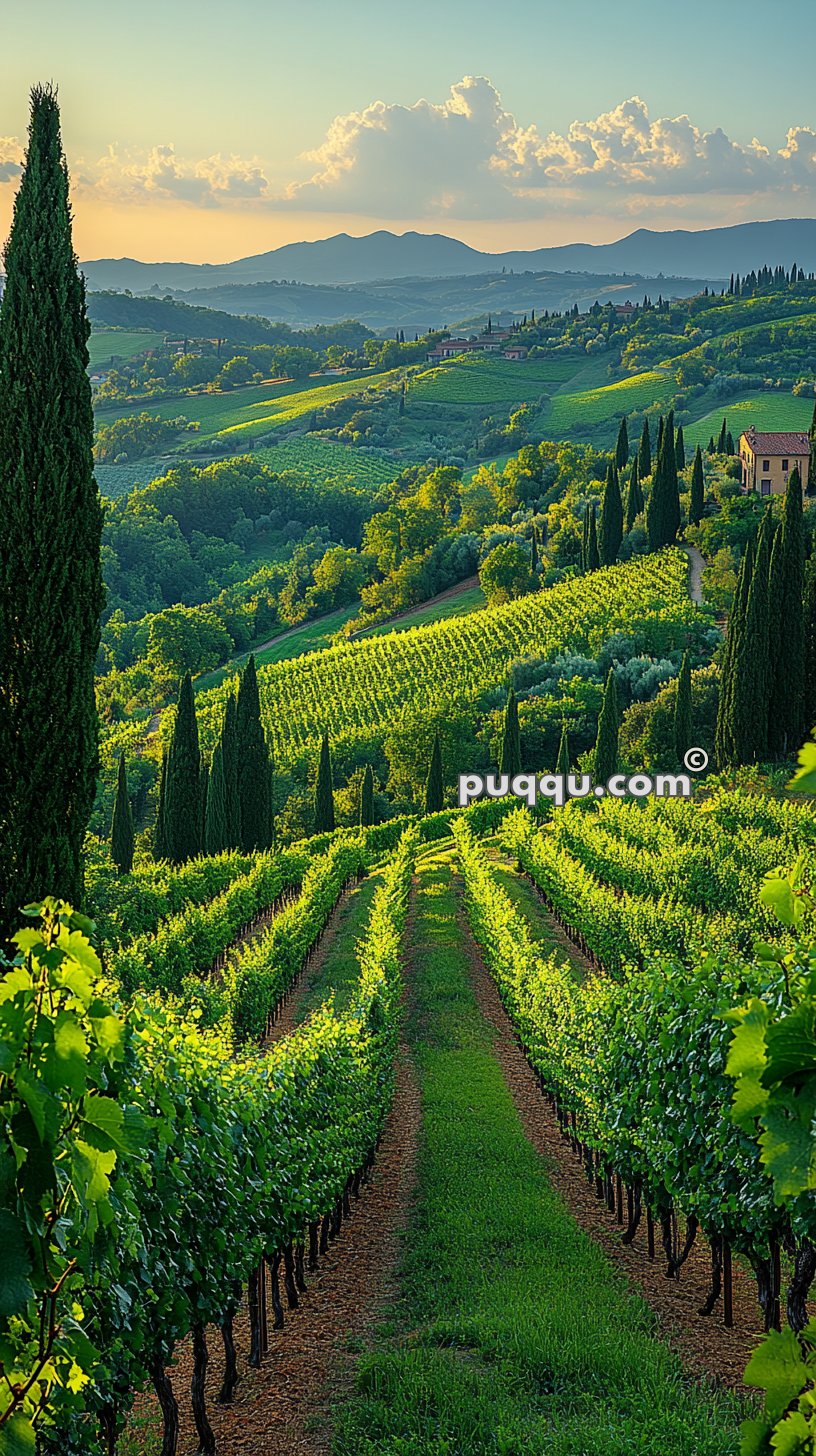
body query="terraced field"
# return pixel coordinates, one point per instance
(766, 409)
(107, 344)
(327, 461)
(568, 411)
(490, 381)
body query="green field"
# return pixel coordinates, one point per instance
(328, 461)
(470, 600)
(105, 345)
(255, 407)
(767, 409)
(489, 381)
(568, 411)
(117, 480)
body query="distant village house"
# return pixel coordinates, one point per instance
(496, 342)
(767, 459)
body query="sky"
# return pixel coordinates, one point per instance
(208, 131)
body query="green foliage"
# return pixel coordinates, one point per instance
(510, 760)
(683, 717)
(505, 573)
(611, 532)
(50, 528)
(605, 759)
(122, 837)
(697, 497)
(324, 790)
(435, 783)
(367, 798)
(622, 445)
(663, 506)
(254, 807)
(182, 787)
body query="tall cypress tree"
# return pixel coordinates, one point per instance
(723, 437)
(634, 497)
(534, 551)
(253, 763)
(593, 559)
(725, 747)
(367, 798)
(215, 825)
(562, 763)
(697, 489)
(204, 795)
(435, 784)
(663, 509)
(786, 710)
(122, 836)
(324, 790)
(611, 532)
(159, 832)
(682, 710)
(51, 591)
(606, 744)
(182, 795)
(680, 449)
(751, 682)
(622, 445)
(510, 759)
(644, 455)
(809, 615)
(585, 539)
(812, 466)
(659, 446)
(229, 753)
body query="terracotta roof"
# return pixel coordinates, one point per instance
(777, 442)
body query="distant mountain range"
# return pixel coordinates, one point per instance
(707, 255)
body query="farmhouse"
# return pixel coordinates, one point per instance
(768, 458)
(493, 343)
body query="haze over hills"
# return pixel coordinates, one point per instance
(709, 254)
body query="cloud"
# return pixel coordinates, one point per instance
(11, 156)
(468, 157)
(207, 182)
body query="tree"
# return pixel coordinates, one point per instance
(680, 449)
(159, 833)
(729, 444)
(434, 784)
(593, 559)
(324, 791)
(51, 592)
(611, 532)
(367, 798)
(725, 748)
(683, 727)
(505, 572)
(644, 455)
(253, 763)
(723, 437)
(204, 794)
(810, 644)
(622, 445)
(663, 509)
(634, 498)
(786, 707)
(510, 760)
(697, 499)
(711, 447)
(122, 836)
(812, 466)
(606, 744)
(215, 823)
(750, 688)
(562, 763)
(534, 550)
(229, 753)
(182, 795)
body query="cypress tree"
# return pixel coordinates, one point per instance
(253, 763)
(510, 760)
(751, 679)
(697, 489)
(182, 794)
(606, 744)
(611, 532)
(724, 742)
(811, 486)
(204, 796)
(122, 836)
(592, 555)
(723, 437)
(810, 645)
(644, 455)
(663, 509)
(786, 710)
(659, 445)
(682, 711)
(270, 756)
(622, 446)
(711, 447)
(215, 828)
(367, 798)
(51, 592)
(534, 551)
(434, 784)
(729, 444)
(680, 449)
(159, 832)
(634, 498)
(324, 790)
(585, 540)
(562, 763)
(229, 751)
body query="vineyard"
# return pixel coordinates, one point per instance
(330, 462)
(468, 380)
(589, 407)
(362, 687)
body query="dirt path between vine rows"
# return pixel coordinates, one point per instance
(706, 1347)
(283, 1408)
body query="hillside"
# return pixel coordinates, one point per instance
(713, 252)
